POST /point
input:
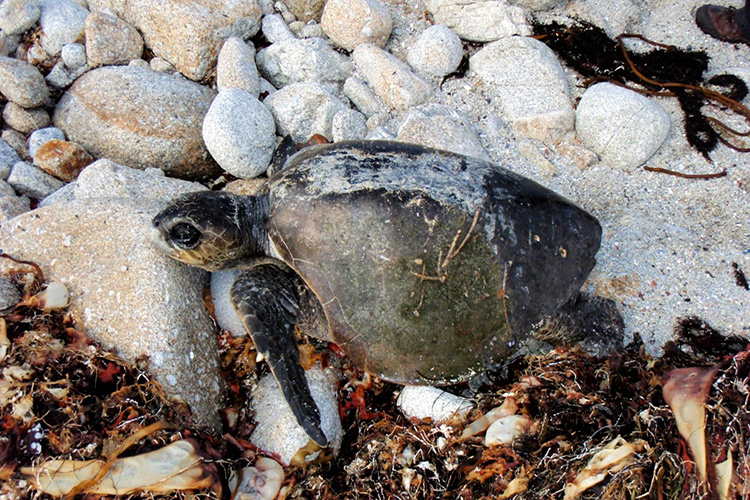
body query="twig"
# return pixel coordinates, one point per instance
(723, 173)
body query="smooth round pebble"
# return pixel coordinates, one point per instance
(33, 181)
(73, 55)
(224, 311)
(236, 67)
(437, 51)
(63, 159)
(348, 125)
(22, 83)
(17, 142)
(304, 109)
(623, 127)
(17, 16)
(349, 23)
(62, 21)
(275, 28)
(110, 40)
(240, 133)
(25, 120)
(42, 136)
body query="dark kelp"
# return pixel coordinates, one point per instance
(665, 71)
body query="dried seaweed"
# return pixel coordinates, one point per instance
(63, 397)
(665, 71)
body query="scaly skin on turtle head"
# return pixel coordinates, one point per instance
(211, 230)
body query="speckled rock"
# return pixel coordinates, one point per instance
(437, 51)
(161, 65)
(441, 127)
(61, 22)
(613, 16)
(13, 206)
(189, 34)
(8, 158)
(63, 195)
(348, 125)
(126, 114)
(391, 78)
(535, 5)
(295, 60)
(534, 96)
(22, 83)
(73, 55)
(236, 67)
(422, 402)
(481, 20)
(275, 28)
(239, 132)
(41, 136)
(226, 315)
(623, 127)
(116, 292)
(25, 120)
(17, 16)
(363, 97)
(63, 159)
(110, 40)
(351, 22)
(17, 141)
(278, 431)
(9, 294)
(305, 10)
(32, 181)
(105, 178)
(303, 110)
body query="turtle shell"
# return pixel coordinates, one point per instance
(429, 265)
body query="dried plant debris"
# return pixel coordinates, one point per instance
(75, 418)
(665, 71)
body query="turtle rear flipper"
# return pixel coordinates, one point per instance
(590, 321)
(267, 301)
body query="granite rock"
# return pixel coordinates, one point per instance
(236, 67)
(110, 40)
(349, 23)
(441, 127)
(390, 77)
(62, 22)
(17, 16)
(22, 83)
(32, 181)
(239, 132)
(118, 286)
(296, 60)
(623, 127)
(41, 136)
(437, 51)
(62, 159)
(479, 20)
(303, 110)
(126, 114)
(25, 120)
(533, 97)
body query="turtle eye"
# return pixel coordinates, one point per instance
(185, 236)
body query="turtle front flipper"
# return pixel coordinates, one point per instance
(267, 300)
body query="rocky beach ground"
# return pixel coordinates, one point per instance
(110, 109)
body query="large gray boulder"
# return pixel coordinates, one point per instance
(130, 297)
(127, 114)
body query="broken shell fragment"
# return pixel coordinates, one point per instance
(260, 482)
(55, 296)
(614, 457)
(509, 407)
(507, 429)
(177, 466)
(686, 391)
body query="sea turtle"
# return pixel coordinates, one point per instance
(423, 266)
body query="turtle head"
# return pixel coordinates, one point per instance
(213, 231)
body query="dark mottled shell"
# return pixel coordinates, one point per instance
(429, 265)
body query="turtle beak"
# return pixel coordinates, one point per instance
(157, 239)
